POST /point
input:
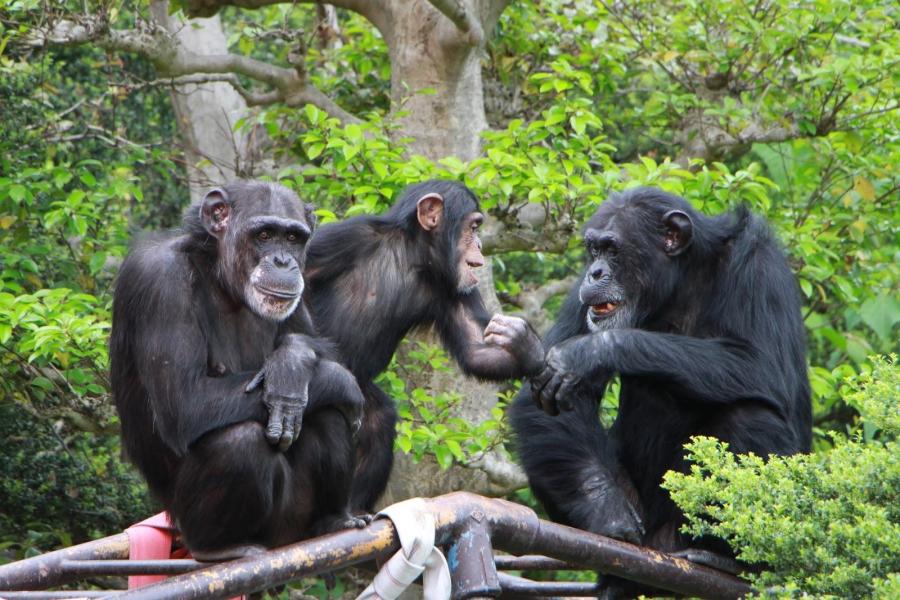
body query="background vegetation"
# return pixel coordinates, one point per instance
(790, 108)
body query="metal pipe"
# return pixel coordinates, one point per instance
(643, 565)
(499, 524)
(277, 566)
(514, 587)
(68, 595)
(132, 567)
(44, 571)
(532, 562)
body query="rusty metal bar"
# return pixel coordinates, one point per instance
(132, 567)
(471, 562)
(471, 524)
(517, 529)
(278, 566)
(69, 595)
(643, 565)
(44, 571)
(533, 562)
(519, 587)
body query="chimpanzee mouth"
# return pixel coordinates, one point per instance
(604, 309)
(472, 273)
(279, 294)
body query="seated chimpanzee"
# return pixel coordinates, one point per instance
(373, 278)
(700, 317)
(213, 375)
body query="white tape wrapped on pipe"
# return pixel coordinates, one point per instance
(415, 528)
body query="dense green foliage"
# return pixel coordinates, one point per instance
(789, 108)
(826, 524)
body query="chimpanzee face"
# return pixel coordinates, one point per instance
(469, 250)
(609, 304)
(632, 271)
(275, 284)
(430, 212)
(262, 245)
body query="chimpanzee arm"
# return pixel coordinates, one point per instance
(716, 370)
(334, 386)
(490, 348)
(171, 356)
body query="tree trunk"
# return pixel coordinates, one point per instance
(206, 112)
(428, 51)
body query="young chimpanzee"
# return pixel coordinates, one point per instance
(373, 278)
(700, 317)
(213, 377)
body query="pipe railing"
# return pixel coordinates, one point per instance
(469, 527)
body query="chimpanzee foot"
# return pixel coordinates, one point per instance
(343, 521)
(228, 552)
(712, 560)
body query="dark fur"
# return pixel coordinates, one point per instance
(716, 347)
(372, 279)
(183, 348)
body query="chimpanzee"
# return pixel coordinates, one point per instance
(700, 318)
(373, 278)
(213, 374)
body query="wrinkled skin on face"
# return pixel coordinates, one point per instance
(262, 255)
(470, 256)
(275, 284)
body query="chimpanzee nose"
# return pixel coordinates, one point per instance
(596, 272)
(281, 260)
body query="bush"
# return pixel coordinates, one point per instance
(824, 524)
(58, 491)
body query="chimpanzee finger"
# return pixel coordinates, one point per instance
(273, 428)
(493, 328)
(256, 381)
(501, 330)
(538, 382)
(287, 433)
(564, 395)
(549, 395)
(551, 392)
(506, 320)
(297, 426)
(496, 339)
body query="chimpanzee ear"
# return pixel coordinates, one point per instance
(430, 210)
(309, 211)
(214, 212)
(679, 230)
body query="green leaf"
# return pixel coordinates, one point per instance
(444, 457)
(43, 383)
(314, 150)
(881, 314)
(19, 193)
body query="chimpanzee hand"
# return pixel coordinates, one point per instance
(286, 375)
(569, 368)
(517, 337)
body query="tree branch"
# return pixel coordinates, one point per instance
(531, 302)
(176, 62)
(462, 17)
(208, 8)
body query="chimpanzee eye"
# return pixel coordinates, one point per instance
(292, 237)
(263, 236)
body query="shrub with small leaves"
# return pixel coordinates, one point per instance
(824, 524)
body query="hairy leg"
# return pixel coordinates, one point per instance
(317, 496)
(374, 450)
(573, 470)
(226, 490)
